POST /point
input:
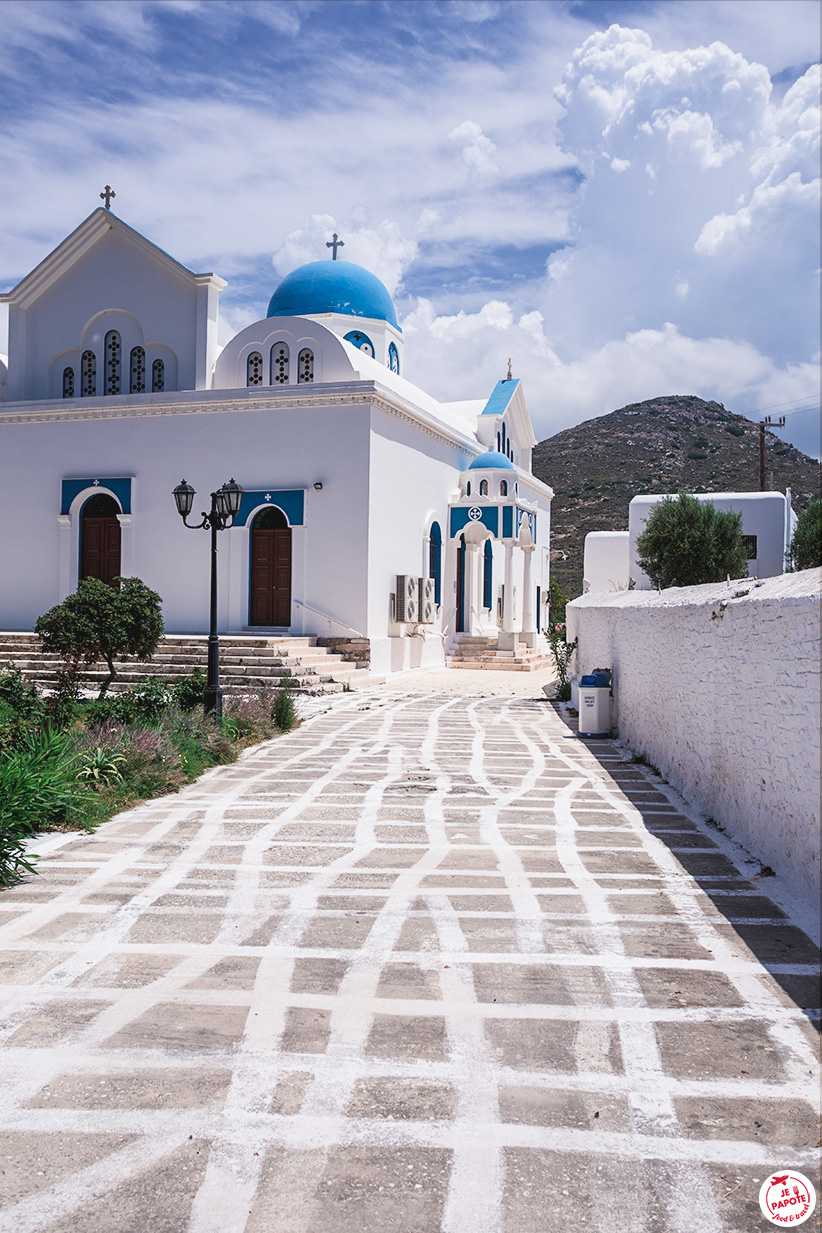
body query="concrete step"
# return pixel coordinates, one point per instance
(247, 662)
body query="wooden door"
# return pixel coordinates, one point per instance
(100, 540)
(270, 577)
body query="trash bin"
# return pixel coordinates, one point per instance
(595, 703)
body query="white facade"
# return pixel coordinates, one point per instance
(606, 561)
(363, 473)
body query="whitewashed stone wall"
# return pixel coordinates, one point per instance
(719, 687)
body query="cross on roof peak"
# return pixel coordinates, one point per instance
(335, 244)
(107, 195)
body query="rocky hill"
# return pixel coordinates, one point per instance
(662, 445)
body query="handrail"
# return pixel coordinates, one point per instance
(331, 620)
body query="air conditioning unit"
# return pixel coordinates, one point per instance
(407, 601)
(428, 605)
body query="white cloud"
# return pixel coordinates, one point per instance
(382, 249)
(477, 149)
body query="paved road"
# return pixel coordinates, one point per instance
(427, 964)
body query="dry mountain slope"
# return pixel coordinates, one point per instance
(662, 445)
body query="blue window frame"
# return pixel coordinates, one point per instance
(487, 574)
(435, 559)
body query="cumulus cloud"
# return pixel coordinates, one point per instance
(383, 249)
(561, 391)
(477, 149)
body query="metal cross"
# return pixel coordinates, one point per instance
(109, 193)
(335, 244)
(510, 376)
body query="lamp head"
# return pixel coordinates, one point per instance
(229, 498)
(184, 498)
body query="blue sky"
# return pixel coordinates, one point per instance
(623, 197)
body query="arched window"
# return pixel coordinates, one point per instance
(137, 380)
(483, 488)
(487, 570)
(499, 444)
(393, 358)
(68, 382)
(503, 488)
(435, 559)
(305, 366)
(361, 341)
(270, 519)
(468, 489)
(158, 377)
(279, 364)
(88, 375)
(113, 350)
(254, 369)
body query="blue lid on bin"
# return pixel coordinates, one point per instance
(595, 680)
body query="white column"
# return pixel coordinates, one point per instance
(64, 586)
(508, 594)
(528, 622)
(471, 558)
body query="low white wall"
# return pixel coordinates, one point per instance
(719, 687)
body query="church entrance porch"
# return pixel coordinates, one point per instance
(270, 571)
(100, 539)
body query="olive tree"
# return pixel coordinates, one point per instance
(687, 542)
(806, 544)
(103, 622)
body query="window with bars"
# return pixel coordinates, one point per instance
(88, 375)
(305, 366)
(137, 382)
(254, 369)
(749, 544)
(68, 382)
(158, 377)
(113, 349)
(279, 364)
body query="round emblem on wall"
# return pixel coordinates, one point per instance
(475, 513)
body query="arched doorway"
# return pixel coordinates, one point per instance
(100, 538)
(270, 574)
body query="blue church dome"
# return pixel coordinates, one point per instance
(492, 460)
(332, 287)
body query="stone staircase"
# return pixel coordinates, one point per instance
(247, 663)
(473, 651)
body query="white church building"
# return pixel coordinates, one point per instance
(370, 510)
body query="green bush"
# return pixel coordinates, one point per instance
(102, 622)
(687, 542)
(806, 543)
(283, 711)
(38, 783)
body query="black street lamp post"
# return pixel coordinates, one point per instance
(225, 505)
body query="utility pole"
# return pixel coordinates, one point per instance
(763, 424)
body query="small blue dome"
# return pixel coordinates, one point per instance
(492, 461)
(332, 287)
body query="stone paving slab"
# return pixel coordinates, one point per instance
(427, 964)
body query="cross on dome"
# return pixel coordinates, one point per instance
(109, 193)
(335, 244)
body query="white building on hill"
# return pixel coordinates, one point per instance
(352, 477)
(611, 560)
